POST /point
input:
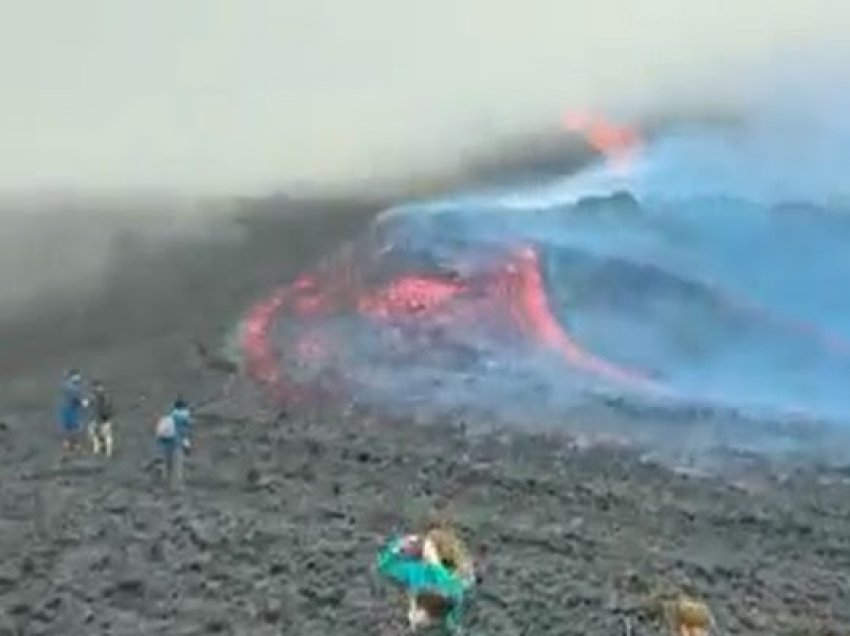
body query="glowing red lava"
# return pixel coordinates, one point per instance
(408, 294)
(617, 143)
(258, 347)
(534, 312)
(515, 295)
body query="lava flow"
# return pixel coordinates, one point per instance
(507, 303)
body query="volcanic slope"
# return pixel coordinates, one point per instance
(277, 529)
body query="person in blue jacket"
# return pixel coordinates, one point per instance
(72, 410)
(173, 439)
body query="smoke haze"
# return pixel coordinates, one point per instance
(250, 95)
(119, 115)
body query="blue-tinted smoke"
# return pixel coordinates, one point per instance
(716, 261)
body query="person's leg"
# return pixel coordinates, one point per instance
(94, 437)
(76, 436)
(417, 615)
(412, 612)
(78, 428)
(167, 450)
(177, 467)
(67, 425)
(106, 438)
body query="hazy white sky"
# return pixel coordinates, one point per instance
(233, 95)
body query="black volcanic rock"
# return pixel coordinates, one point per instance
(572, 539)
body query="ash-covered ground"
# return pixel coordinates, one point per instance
(277, 529)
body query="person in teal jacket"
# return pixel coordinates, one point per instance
(182, 417)
(436, 585)
(173, 439)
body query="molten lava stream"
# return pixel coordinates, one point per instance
(516, 292)
(530, 305)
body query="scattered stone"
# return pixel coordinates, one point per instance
(276, 568)
(217, 625)
(202, 533)
(9, 577)
(212, 587)
(129, 586)
(271, 610)
(19, 608)
(118, 504)
(157, 552)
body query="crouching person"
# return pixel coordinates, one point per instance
(100, 429)
(435, 572)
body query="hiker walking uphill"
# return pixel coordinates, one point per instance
(172, 437)
(182, 417)
(71, 411)
(100, 429)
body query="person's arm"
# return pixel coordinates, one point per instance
(184, 421)
(80, 398)
(395, 564)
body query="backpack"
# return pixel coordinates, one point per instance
(165, 428)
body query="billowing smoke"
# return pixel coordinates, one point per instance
(56, 252)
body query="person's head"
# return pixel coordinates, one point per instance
(180, 404)
(690, 618)
(97, 386)
(442, 545)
